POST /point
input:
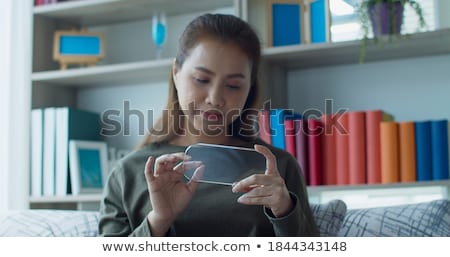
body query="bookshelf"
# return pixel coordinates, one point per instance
(80, 86)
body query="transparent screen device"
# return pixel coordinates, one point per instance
(223, 164)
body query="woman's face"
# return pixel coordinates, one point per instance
(213, 85)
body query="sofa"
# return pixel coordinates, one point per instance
(333, 219)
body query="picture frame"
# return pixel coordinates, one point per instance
(88, 161)
(78, 47)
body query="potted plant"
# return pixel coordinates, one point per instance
(385, 17)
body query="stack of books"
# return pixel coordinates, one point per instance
(360, 147)
(51, 130)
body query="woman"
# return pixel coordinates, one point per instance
(212, 98)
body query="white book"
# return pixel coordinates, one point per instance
(49, 152)
(37, 123)
(62, 151)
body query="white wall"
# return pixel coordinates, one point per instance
(128, 42)
(411, 89)
(145, 99)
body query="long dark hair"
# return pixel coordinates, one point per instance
(228, 29)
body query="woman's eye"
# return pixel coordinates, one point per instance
(234, 87)
(201, 81)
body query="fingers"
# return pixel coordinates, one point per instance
(193, 183)
(149, 168)
(182, 167)
(271, 161)
(167, 162)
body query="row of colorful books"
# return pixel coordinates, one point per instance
(360, 147)
(44, 2)
(51, 130)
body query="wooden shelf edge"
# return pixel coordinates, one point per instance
(66, 199)
(106, 74)
(325, 188)
(347, 52)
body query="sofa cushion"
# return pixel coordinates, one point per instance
(329, 216)
(49, 223)
(417, 220)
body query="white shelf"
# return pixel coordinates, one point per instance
(327, 54)
(291, 57)
(99, 12)
(66, 199)
(107, 75)
(314, 190)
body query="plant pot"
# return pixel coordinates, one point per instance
(386, 18)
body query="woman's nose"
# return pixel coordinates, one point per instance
(215, 96)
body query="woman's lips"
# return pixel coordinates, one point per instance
(212, 116)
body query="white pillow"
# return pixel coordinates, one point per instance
(329, 216)
(416, 220)
(47, 223)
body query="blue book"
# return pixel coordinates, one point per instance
(277, 125)
(319, 21)
(423, 150)
(286, 24)
(439, 149)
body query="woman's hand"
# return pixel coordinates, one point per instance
(266, 189)
(169, 195)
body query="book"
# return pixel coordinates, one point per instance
(301, 146)
(72, 124)
(264, 126)
(277, 117)
(329, 149)
(49, 140)
(389, 152)
(37, 135)
(439, 149)
(285, 24)
(357, 147)
(423, 150)
(342, 152)
(373, 154)
(320, 21)
(407, 151)
(314, 135)
(289, 132)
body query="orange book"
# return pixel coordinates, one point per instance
(328, 149)
(407, 151)
(342, 155)
(389, 152)
(264, 126)
(357, 147)
(373, 120)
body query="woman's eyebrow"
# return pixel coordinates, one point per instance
(233, 75)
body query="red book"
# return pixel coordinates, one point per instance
(314, 135)
(328, 149)
(301, 147)
(342, 155)
(373, 120)
(264, 126)
(357, 147)
(39, 2)
(289, 135)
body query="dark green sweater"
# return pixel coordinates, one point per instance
(213, 211)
